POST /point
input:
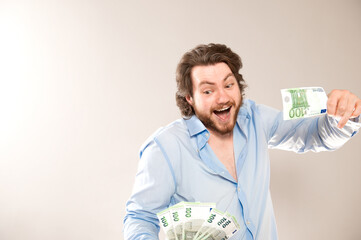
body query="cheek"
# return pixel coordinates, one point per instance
(203, 103)
(237, 95)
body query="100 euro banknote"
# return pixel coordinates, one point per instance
(197, 221)
(178, 213)
(166, 223)
(303, 102)
(196, 214)
(218, 226)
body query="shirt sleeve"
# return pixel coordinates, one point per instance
(151, 194)
(308, 134)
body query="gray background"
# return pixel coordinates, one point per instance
(84, 83)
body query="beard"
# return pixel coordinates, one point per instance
(209, 119)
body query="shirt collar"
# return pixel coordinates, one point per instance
(243, 115)
(195, 126)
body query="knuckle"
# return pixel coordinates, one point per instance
(331, 103)
(342, 108)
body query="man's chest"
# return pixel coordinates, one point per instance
(226, 157)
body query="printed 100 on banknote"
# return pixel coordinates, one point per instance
(197, 221)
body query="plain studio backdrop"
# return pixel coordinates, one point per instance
(84, 83)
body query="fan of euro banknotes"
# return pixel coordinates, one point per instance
(197, 221)
(303, 102)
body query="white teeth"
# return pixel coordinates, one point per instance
(223, 109)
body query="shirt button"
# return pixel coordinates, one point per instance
(207, 134)
(248, 222)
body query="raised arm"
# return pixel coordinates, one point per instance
(318, 133)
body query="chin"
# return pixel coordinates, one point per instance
(223, 129)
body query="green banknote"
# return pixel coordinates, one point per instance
(197, 221)
(177, 213)
(219, 226)
(196, 214)
(166, 223)
(209, 229)
(303, 102)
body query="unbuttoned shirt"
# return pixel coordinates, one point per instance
(177, 164)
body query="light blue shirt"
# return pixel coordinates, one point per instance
(177, 164)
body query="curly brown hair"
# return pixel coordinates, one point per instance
(204, 55)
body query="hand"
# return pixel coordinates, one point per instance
(344, 104)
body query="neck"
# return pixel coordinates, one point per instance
(224, 137)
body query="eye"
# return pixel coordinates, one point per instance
(207, 92)
(229, 85)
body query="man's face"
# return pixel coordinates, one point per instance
(216, 97)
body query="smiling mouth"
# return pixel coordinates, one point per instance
(223, 113)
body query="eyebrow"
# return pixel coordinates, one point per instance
(212, 83)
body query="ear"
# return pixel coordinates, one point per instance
(189, 100)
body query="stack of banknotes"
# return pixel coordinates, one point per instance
(303, 102)
(197, 221)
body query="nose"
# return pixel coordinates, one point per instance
(222, 97)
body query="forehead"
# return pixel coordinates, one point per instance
(211, 73)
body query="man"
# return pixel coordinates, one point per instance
(219, 151)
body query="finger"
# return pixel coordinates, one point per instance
(347, 114)
(357, 110)
(342, 106)
(332, 100)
